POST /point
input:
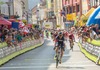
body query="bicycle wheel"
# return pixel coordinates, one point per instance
(57, 61)
(72, 46)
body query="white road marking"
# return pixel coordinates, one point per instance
(66, 55)
(65, 63)
(52, 66)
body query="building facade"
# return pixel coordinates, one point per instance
(34, 15)
(18, 8)
(94, 3)
(25, 10)
(74, 6)
(14, 7)
(85, 6)
(57, 10)
(79, 7)
(7, 7)
(50, 13)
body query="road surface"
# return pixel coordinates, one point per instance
(42, 58)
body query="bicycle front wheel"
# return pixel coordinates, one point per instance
(57, 61)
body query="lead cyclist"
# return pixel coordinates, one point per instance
(61, 45)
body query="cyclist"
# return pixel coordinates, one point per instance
(47, 34)
(60, 41)
(51, 35)
(55, 36)
(71, 40)
(66, 35)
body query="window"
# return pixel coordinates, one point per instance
(78, 8)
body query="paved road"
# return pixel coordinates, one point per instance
(42, 58)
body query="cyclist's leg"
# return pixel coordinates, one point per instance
(70, 43)
(64, 46)
(55, 45)
(57, 48)
(62, 52)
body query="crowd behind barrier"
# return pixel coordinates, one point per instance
(14, 40)
(92, 49)
(92, 32)
(14, 36)
(89, 36)
(7, 51)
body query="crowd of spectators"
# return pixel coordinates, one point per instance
(15, 36)
(92, 32)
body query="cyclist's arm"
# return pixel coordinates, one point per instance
(57, 39)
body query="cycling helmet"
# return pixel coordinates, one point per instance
(60, 33)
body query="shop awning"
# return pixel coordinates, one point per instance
(4, 21)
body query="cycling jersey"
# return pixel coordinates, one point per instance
(60, 42)
(71, 36)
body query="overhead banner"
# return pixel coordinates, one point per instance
(58, 26)
(48, 25)
(71, 16)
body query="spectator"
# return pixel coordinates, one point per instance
(93, 34)
(9, 40)
(13, 37)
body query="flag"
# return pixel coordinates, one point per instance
(21, 24)
(25, 30)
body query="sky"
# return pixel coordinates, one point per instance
(33, 3)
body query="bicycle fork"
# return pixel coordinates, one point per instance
(57, 58)
(71, 46)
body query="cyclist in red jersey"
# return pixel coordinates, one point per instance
(71, 40)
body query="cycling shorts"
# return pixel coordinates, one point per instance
(60, 45)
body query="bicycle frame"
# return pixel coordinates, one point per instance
(71, 44)
(58, 56)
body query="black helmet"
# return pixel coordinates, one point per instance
(60, 33)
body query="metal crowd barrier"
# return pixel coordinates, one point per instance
(5, 51)
(94, 50)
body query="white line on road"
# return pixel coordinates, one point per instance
(47, 58)
(52, 66)
(79, 62)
